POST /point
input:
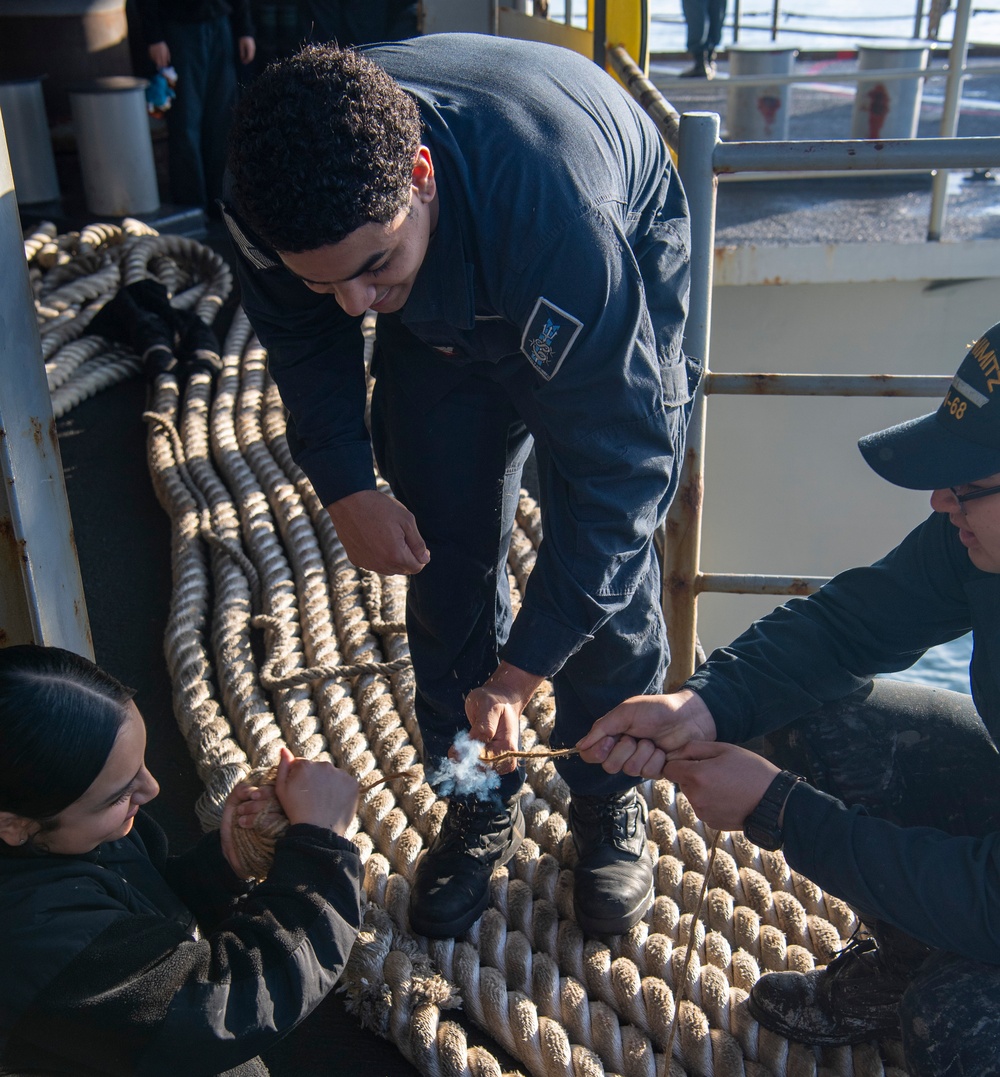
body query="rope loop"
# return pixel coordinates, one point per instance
(272, 677)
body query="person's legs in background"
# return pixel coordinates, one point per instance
(701, 17)
(219, 102)
(202, 54)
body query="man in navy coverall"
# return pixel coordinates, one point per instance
(513, 219)
(899, 813)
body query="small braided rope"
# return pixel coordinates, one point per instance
(271, 678)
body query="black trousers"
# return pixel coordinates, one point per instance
(915, 756)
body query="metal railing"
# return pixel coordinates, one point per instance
(702, 157)
(955, 73)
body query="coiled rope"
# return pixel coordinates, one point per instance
(275, 639)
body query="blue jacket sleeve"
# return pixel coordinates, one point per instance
(609, 420)
(315, 353)
(865, 621)
(940, 889)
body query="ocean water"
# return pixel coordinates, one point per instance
(943, 667)
(807, 24)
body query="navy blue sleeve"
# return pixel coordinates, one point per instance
(609, 382)
(315, 353)
(940, 889)
(241, 18)
(863, 622)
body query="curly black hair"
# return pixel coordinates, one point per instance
(321, 144)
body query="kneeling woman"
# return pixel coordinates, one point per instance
(118, 959)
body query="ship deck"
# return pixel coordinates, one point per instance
(856, 207)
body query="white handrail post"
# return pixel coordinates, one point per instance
(41, 591)
(957, 57)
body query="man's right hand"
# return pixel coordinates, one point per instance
(379, 533)
(639, 735)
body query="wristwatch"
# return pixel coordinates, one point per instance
(761, 825)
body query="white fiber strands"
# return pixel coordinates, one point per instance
(275, 638)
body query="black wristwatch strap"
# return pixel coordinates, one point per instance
(761, 825)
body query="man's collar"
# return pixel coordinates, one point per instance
(444, 290)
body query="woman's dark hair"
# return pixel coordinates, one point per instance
(59, 717)
(322, 143)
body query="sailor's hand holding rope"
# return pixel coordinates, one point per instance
(639, 735)
(303, 791)
(673, 736)
(494, 711)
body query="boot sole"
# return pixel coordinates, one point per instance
(770, 1022)
(451, 929)
(620, 924)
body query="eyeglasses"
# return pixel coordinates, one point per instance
(973, 495)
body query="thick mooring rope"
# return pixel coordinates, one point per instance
(275, 639)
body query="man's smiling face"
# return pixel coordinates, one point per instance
(376, 265)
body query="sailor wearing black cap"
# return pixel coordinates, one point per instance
(885, 794)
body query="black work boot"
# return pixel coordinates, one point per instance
(613, 878)
(855, 998)
(451, 888)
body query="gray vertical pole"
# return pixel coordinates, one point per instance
(41, 592)
(918, 20)
(952, 106)
(699, 135)
(600, 32)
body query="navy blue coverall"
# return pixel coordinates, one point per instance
(549, 309)
(902, 815)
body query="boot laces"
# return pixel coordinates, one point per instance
(857, 947)
(476, 827)
(617, 817)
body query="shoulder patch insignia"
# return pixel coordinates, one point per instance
(548, 337)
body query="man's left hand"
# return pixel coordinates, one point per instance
(494, 710)
(248, 49)
(723, 782)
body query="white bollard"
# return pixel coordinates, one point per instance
(111, 123)
(759, 113)
(889, 108)
(28, 141)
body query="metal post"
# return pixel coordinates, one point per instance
(41, 592)
(699, 135)
(736, 21)
(918, 20)
(600, 32)
(957, 57)
(774, 20)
